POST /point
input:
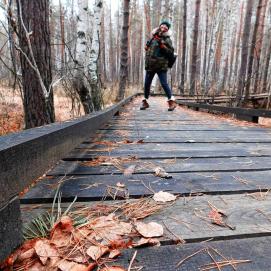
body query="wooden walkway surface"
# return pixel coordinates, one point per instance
(212, 160)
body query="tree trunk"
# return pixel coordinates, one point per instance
(147, 15)
(62, 33)
(37, 77)
(235, 72)
(267, 64)
(112, 62)
(103, 49)
(193, 76)
(205, 47)
(94, 76)
(252, 50)
(124, 51)
(184, 47)
(80, 82)
(258, 45)
(245, 44)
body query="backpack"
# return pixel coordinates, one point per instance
(171, 59)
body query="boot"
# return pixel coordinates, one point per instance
(171, 105)
(144, 105)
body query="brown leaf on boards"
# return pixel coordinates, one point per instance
(121, 244)
(65, 265)
(65, 224)
(149, 230)
(160, 172)
(114, 254)
(61, 232)
(96, 252)
(45, 251)
(162, 196)
(146, 241)
(129, 170)
(37, 266)
(113, 268)
(120, 185)
(28, 245)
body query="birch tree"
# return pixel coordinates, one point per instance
(80, 80)
(93, 72)
(86, 79)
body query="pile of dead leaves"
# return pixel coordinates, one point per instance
(94, 244)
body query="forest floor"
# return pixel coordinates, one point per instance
(11, 107)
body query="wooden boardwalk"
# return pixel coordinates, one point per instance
(212, 160)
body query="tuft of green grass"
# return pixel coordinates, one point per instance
(41, 226)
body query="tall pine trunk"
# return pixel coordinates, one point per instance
(34, 39)
(258, 45)
(193, 76)
(244, 55)
(184, 47)
(253, 49)
(124, 51)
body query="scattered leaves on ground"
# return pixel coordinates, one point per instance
(106, 231)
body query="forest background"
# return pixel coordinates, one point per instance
(96, 53)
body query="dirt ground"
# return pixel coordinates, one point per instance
(11, 107)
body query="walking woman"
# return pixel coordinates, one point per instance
(158, 49)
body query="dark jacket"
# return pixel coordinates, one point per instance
(157, 51)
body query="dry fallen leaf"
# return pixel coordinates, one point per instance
(146, 241)
(61, 232)
(114, 253)
(160, 172)
(164, 197)
(65, 265)
(26, 255)
(149, 230)
(129, 170)
(120, 185)
(15, 256)
(113, 268)
(95, 252)
(37, 266)
(44, 250)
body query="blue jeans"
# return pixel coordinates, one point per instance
(163, 80)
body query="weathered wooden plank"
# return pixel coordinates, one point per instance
(168, 136)
(183, 139)
(166, 150)
(183, 128)
(179, 165)
(182, 136)
(167, 257)
(93, 187)
(188, 217)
